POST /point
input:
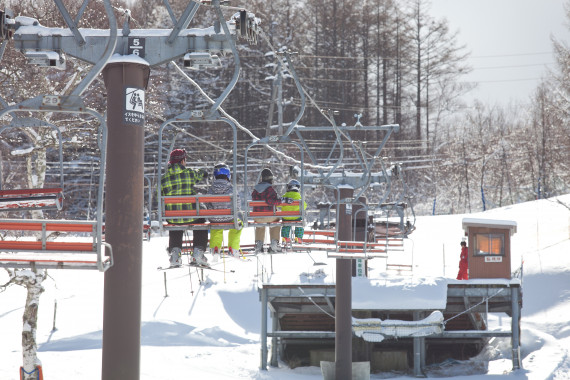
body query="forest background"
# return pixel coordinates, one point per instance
(388, 61)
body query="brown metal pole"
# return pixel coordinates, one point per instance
(124, 197)
(343, 298)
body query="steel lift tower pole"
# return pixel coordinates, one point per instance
(343, 288)
(125, 82)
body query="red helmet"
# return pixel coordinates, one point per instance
(177, 155)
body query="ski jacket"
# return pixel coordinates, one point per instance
(464, 257)
(286, 207)
(463, 273)
(221, 186)
(263, 191)
(179, 180)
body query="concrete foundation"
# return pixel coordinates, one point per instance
(389, 361)
(317, 356)
(360, 370)
(380, 361)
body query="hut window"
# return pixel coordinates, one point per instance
(489, 244)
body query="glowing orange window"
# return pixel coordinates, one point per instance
(489, 244)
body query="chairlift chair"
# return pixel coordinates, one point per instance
(200, 202)
(253, 216)
(89, 253)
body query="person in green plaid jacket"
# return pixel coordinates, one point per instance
(180, 180)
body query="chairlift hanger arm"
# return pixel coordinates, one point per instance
(102, 61)
(71, 23)
(184, 20)
(301, 94)
(237, 67)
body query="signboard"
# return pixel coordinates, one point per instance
(360, 272)
(136, 46)
(493, 259)
(134, 106)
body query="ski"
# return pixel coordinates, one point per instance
(196, 266)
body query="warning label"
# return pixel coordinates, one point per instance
(134, 106)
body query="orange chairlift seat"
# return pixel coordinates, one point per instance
(253, 216)
(200, 204)
(327, 240)
(30, 251)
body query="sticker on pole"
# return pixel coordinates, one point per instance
(134, 106)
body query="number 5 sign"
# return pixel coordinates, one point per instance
(136, 46)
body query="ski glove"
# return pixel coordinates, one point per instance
(286, 200)
(204, 172)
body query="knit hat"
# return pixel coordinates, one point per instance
(177, 155)
(267, 175)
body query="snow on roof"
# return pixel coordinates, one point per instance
(399, 293)
(479, 222)
(29, 25)
(131, 58)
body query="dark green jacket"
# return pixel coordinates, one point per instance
(179, 180)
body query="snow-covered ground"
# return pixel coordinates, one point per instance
(212, 330)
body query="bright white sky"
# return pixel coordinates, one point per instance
(509, 41)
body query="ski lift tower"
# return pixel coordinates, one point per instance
(345, 186)
(126, 71)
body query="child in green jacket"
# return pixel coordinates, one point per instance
(293, 192)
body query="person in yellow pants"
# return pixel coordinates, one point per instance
(223, 186)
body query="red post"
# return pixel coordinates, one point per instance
(124, 197)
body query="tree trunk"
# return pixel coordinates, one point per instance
(33, 284)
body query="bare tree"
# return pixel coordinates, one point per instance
(32, 280)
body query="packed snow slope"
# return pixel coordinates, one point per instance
(211, 330)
